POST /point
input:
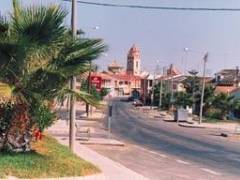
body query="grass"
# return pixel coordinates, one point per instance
(49, 159)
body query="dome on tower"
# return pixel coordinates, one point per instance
(134, 49)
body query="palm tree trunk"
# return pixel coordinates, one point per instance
(17, 137)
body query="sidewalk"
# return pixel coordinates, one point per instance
(95, 123)
(226, 129)
(110, 170)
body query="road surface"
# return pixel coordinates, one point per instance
(163, 150)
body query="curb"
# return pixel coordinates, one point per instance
(190, 125)
(99, 176)
(101, 143)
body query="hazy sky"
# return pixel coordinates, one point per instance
(162, 35)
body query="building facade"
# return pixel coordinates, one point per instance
(133, 61)
(122, 82)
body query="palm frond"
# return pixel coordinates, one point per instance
(4, 26)
(75, 57)
(46, 83)
(40, 24)
(79, 95)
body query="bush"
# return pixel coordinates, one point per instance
(43, 117)
(104, 92)
(214, 114)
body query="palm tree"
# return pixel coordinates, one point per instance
(37, 58)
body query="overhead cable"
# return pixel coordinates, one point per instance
(157, 7)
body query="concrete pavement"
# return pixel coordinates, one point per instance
(163, 150)
(111, 170)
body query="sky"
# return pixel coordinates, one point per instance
(161, 35)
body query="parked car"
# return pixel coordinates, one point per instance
(130, 98)
(137, 103)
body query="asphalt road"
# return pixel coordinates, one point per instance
(162, 150)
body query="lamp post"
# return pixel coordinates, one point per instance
(160, 92)
(205, 59)
(73, 83)
(154, 81)
(89, 86)
(185, 59)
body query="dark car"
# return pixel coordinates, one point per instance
(130, 99)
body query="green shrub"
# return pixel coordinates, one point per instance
(43, 117)
(214, 114)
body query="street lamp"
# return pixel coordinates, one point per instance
(205, 59)
(156, 72)
(72, 115)
(185, 59)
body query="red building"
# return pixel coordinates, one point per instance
(122, 82)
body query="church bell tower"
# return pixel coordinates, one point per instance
(133, 61)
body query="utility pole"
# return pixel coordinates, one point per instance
(160, 94)
(171, 88)
(205, 59)
(89, 86)
(153, 91)
(161, 89)
(154, 82)
(144, 90)
(73, 82)
(171, 92)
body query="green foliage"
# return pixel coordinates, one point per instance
(183, 99)
(104, 92)
(192, 84)
(38, 58)
(43, 117)
(209, 96)
(224, 103)
(48, 160)
(236, 107)
(93, 91)
(165, 96)
(213, 113)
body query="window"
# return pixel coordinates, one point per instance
(150, 83)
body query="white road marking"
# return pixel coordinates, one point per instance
(182, 162)
(211, 171)
(152, 152)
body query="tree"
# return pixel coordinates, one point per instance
(224, 103)
(207, 100)
(37, 58)
(157, 93)
(236, 107)
(182, 99)
(192, 84)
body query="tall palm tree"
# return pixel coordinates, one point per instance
(37, 58)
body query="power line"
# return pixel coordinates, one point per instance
(157, 7)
